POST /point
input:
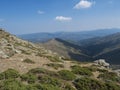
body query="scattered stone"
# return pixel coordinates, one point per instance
(3, 55)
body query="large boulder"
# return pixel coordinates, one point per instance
(102, 62)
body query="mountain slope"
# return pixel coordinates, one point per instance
(11, 45)
(67, 49)
(106, 47)
(20, 54)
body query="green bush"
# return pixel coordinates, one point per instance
(44, 72)
(81, 70)
(55, 66)
(68, 87)
(27, 60)
(46, 87)
(54, 58)
(32, 87)
(67, 75)
(88, 84)
(2, 76)
(44, 79)
(92, 84)
(109, 76)
(37, 70)
(30, 78)
(12, 84)
(9, 74)
(112, 86)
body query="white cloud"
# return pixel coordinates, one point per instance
(62, 18)
(40, 12)
(83, 4)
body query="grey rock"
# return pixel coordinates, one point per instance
(102, 62)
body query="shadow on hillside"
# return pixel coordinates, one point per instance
(80, 58)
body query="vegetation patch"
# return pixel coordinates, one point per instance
(27, 60)
(25, 52)
(67, 75)
(45, 87)
(30, 78)
(45, 79)
(54, 58)
(68, 87)
(12, 84)
(9, 74)
(81, 70)
(109, 76)
(55, 66)
(42, 79)
(42, 71)
(88, 84)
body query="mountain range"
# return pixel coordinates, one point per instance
(69, 36)
(82, 46)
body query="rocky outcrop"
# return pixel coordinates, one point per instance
(102, 63)
(11, 45)
(117, 71)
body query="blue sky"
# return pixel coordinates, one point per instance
(31, 16)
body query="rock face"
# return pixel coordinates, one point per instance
(102, 62)
(10, 45)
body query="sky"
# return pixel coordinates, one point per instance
(32, 16)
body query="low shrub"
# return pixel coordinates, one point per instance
(27, 60)
(68, 87)
(108, 76)
(2, 76)
(67, 75)
(44, 72)
(44, 79)
(46, 87)
(88, 84)
(30, 78)
(81, 70)
(12, 84)
(112, 86)
(9, 74)
(55, 66)
(54, 58)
